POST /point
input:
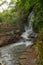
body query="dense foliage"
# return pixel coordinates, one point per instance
(38, 20)
(38, 27)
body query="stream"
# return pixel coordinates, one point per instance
(9, 55)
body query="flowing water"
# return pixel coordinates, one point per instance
(9, 55)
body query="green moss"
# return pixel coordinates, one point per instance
(39, 45)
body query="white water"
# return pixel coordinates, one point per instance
(27, 33)
(10, 54)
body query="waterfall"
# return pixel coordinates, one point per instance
(30, 19)
(28, 29)
(9, 55)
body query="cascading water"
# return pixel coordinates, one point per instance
(28, 29)
(9, 55)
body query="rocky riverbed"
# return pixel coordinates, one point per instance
(10, 54)
(14, 43)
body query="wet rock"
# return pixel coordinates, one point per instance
(9, 37)
(9, 33)
(4, 40)
(28, 57)
(32, 35)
